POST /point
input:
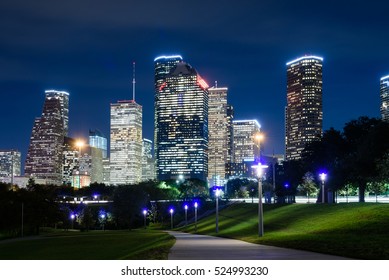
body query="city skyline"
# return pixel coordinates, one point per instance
(90, 56)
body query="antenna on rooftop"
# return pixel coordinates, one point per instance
(215, 84)
(133, 81)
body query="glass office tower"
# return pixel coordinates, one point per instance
(181, 122)
(304, 112)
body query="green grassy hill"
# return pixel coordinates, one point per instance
(353, 230)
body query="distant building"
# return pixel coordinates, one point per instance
(10, 164)
(106, 171)
(148, 172)
(304, 112)
(126, 143)
(219, 127)
(384, 94)
(181, 122)
(70, 155)
(44, 157)
(98, 140)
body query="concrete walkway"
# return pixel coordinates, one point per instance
(204, 247)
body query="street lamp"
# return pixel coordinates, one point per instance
(195, 206)
(144, 215)
(323, 177)
(171, 217)
(186, 214)
(72, 217)
(260, 168)
(217, 194)
(102, 216)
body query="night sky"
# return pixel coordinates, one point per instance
(87, 48)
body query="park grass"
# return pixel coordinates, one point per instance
(353, 230)
(93, 245)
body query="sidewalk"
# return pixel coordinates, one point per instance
(204, 247)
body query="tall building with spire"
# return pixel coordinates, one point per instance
(219, 145)
(181, 120)
(126, 141)
(44, 157)
(384, 94)
(304, 112)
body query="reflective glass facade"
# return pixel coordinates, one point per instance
(98, 140)
(181, 124)
(384, 94)
(304, 113)
(126, 143)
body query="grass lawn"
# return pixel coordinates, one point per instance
(355, 230)
(93, 245)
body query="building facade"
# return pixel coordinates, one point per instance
(126, 143)
(181, 124)
(384, 94)
(148, 172)
(247, 146)
(98, 140)
(304, 112)
(10, 164)
(44, 157)
(219, 145)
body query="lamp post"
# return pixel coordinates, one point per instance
(171, 218)
(195, 206)
(103, 220)
(217, 193)
(186, 214)
(323, 177)
(144, 216)
(260, 168)
(72, 216)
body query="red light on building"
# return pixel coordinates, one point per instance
(203, 84)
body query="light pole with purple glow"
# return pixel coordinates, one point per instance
(323, 177)
(195, 207)
(144, 216)
(186, 214)
(171, 217)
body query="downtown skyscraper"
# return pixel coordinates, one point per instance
(384, 94)
(220, 136)
(126, 143)
(44, 157)
(181, 120)
(304, 112)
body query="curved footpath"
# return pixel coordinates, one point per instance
(205, 247)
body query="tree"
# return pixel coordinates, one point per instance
(308, 186)
(366, 146)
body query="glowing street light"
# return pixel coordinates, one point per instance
(144, 215)
(102, 216)
(260, 168)
(186, 214)
(171, 217)
(323, 177)
(217, 194)
(72, 217)
(195, 207)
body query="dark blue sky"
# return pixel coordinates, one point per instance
(87, 48)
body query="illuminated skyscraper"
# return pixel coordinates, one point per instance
(219, 146)
(304, 113)
(98, 140)
(181, 123)
(44, 157)
(9, 163)
(384, 93)
(148, 172)
(126, 143)
(246, 147)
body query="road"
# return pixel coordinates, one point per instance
(204, 247)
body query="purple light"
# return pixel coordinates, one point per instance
(196, 204)
(171, 210)
(144, 212)
(72, 216)
(186, 207)
(323, 176)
